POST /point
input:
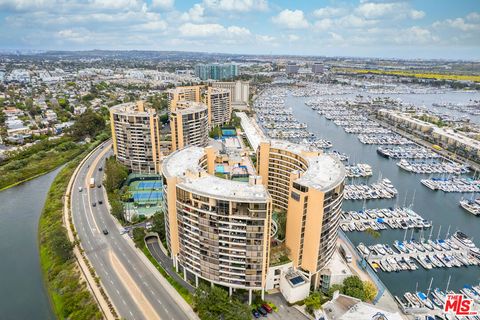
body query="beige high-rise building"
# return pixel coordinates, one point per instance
(220, 230)
(308, 187)
(187, 93)
(189, 124)
(239, 91)
(218, 101)
(216, 229)
(219, 106)
(136, 136)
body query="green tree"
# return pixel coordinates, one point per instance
(62, 246)
(313, 302)
(115, 174)
(333, 288)
(88, 124)
(158, 224)
(138, 236)
(355, 292)
(216, 132)
(214, 303)
(353, 282)
(116, 208)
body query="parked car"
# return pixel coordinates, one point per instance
(255, 313)
(262, 311)
(267, 307)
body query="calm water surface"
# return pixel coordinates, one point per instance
(441, 208)
(22, 292)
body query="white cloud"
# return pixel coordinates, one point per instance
(291, 19)
(73, 35)
(458, 23)
(335, 37)
(158, 25)
(323, 24)
(328, 12)
(264, 38)
(191, 30)
(194, 14)
(473, 16)
(293, 37)
(116, 4)
(353, 21)
(21, 5)
(415, 35)
(378, 10)
(163, 4)
(417, 14)
(237, 5)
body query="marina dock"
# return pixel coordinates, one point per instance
(382, 189)
(382, 219)
(407, 255)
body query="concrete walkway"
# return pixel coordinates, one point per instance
(386, 301)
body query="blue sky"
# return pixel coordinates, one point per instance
(372, 28)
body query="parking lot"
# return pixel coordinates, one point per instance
(285, 312)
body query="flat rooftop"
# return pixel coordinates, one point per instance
(295, 278)
(253, 133)
(220, 188)
(181, 161)
(186, 160)
(186, 107)
(347, 308)
(324, 171)
(131, 108)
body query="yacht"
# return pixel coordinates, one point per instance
(413, 300)
(471, 206)
(424, 300)
(463, 240)
(439, 295)
(363, 249)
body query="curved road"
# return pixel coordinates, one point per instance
(135, 287)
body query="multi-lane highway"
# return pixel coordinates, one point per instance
(135, 287)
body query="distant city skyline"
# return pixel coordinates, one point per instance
(357, 28)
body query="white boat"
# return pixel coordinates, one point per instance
(424, 300)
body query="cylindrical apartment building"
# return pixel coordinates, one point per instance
(216, 229)
(188, 93)
(308, 186)
(219, 106)
(189, 124)
(136, 136)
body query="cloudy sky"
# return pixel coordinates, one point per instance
(375, 28)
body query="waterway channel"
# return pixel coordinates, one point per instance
(22, 291)
(441, 208)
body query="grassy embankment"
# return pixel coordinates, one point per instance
(37, 160)
(420, 75)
